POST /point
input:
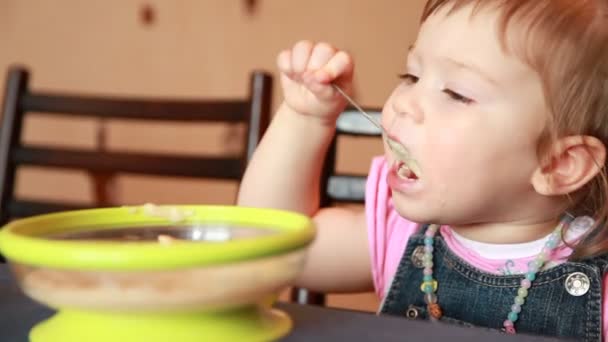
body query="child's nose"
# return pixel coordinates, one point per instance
(397, 128)
(406, 105)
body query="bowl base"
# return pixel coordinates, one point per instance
(255, 323)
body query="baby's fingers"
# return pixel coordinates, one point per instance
(284, 62)
(294, 62)
(320, 55)
(338, 69)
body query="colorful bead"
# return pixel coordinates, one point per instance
(435, 310)
(532, 268)
(542, 257)
(509, 327)
(522, 292)
(430, 298)
(552, 243)
(429, 284)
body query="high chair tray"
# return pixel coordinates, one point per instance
(18, 314)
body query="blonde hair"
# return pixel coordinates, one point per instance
(566, 43)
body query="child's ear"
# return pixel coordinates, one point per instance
(572, 162)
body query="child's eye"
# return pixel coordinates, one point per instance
(457, 97)
(409, 78)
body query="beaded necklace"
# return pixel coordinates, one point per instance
(429, 284)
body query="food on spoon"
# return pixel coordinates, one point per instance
(408, 168)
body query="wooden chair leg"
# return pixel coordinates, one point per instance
(304, 296)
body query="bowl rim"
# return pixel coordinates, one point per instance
(20, 239)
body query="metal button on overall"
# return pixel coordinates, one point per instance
(412, 312)
(418, 257)
(577, 284)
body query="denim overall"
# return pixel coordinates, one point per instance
(471, 297)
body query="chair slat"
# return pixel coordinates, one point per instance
(346, 188)
(119, 108)
(351, 122)
(142, 163)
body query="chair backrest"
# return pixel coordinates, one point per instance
(19, 100)
(339, 187)
(342, 187)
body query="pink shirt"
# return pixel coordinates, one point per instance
(388, 234)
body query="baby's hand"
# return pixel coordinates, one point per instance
(307, 71)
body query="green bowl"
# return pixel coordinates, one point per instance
(159, 273)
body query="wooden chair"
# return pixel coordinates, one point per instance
(20, 100)
(340, 188)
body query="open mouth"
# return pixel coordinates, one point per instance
(405, 166)
(405, 171)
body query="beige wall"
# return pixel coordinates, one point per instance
(193, 48)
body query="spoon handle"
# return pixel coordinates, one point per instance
(354, 104)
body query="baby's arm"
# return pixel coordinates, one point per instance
(286, 167)
(339, 259)
(284, 172)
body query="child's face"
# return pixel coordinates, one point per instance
(471, 116)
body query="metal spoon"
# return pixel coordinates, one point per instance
(354, 104)
(395, 146)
